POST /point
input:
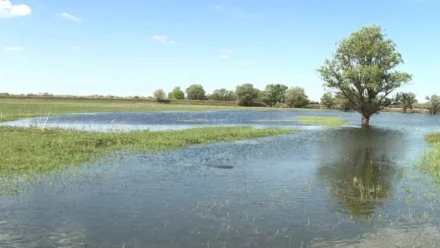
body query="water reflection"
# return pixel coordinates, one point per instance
(358, 167)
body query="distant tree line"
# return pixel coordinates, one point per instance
(245, 95)
(274, 95)
(405, 100)
(281, 95)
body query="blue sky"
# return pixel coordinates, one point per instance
(136, 46)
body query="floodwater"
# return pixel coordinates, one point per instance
(172, 120)
(342, 187)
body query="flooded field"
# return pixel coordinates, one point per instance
(173, 120)
(339, 187)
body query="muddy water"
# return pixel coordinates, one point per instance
(345, 187)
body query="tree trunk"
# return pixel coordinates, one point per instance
(365, 121)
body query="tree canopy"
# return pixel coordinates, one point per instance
(434, 104)
(222, 95)
(196, 92)
(328, 100)
(296, 97)
(274, 93)
(407, 100)
(343, 102)
(159, 94)
(246, 94)
(363, 69)
(177, 93)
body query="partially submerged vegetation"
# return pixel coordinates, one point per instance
(431, 161)
(31, 150)
(322, 120)
(363, 70)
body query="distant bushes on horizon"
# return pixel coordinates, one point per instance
(274, 95)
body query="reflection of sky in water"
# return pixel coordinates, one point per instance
(163, 121)
(153, 128)
(286, 191)
(174, 120)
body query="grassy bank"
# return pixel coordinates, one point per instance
(13, 109)
(322, 120)
(28, 150)
(409, 111)
(430, 162)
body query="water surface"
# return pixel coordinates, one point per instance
(172, 120)
(343, 187)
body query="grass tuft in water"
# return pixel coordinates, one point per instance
(322, 120)
(367, 191)
(32, 150)
(430, 162)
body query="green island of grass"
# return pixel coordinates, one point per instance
(32, 150)
(322, 120)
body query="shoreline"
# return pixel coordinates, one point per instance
(26, 150)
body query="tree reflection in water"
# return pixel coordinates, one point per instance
(358, 167)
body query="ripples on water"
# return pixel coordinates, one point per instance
(295, 190)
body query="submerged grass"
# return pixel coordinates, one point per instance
(430, 162)
(31, 150)
(322, 120)
(433, 138)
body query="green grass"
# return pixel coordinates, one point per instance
(433, 138)
(430, 162)
(30, 150)
(322, 120)
(13, 109)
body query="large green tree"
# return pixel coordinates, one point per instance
(363, 69)
(247, 95)
(196, 92)
(274, 93)
(177, 93)
(296, 97)
(222, 95)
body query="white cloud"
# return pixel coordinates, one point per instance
(237, 12)
(226, 54)
(75, 47)
(13, 48)
(160, 38)
(8, 10)
(163, 39)
(70, 17)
